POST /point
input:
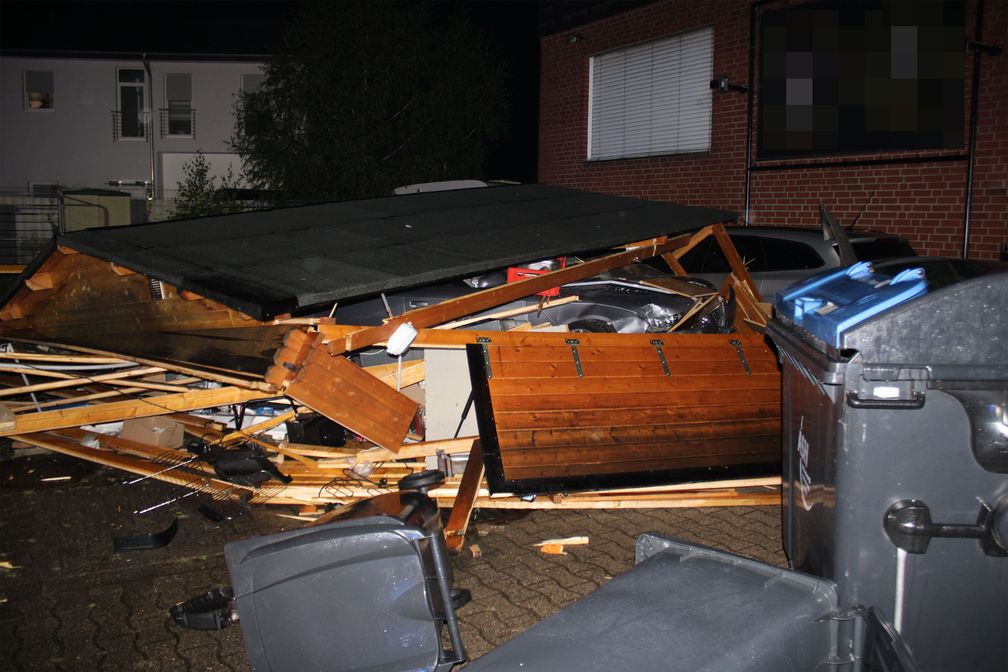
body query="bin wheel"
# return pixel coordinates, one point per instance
(460, 597)
(422, 481)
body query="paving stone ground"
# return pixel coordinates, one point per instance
(71, 603)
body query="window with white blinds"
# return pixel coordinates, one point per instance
(652, 98)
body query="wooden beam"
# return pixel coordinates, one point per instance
(673, 263)
(734, 260)
(340, 457)
(412, 372)
(495, 296)
(62, 359)
(205, 374)
(465, 500)
(133, 465)
(134, 408)
(79, 399)
(76, 381)
(250, 431)
(459, 338)
(513, 312)
(7, 419)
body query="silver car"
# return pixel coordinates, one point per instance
(780, 256)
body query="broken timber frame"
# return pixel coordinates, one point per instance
(308, 363)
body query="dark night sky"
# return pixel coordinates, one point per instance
(254, 26)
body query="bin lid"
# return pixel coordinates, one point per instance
(684, 607)
(954, 328)
(828, 304)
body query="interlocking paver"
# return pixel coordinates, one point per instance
(73, 604)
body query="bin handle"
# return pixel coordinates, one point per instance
(913, 403)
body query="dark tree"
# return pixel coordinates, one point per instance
(366, 96)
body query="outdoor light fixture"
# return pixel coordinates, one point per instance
(572, 37)
(723, 85)
(401, 339)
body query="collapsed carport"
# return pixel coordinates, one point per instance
(219, 311)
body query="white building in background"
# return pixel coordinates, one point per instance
(117, 121)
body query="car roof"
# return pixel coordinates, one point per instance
(806, 233)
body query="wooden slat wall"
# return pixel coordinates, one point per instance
(74, 295)
(626, 416)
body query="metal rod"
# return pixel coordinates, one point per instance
(971, 150)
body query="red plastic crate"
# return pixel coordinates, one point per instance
(516, 273)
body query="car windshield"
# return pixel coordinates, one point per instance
(943, 272)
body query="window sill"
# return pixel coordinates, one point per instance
(657, 155)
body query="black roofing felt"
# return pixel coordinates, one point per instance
(278, 261)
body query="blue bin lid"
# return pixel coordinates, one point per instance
(828, 304)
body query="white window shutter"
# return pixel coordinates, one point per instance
(651, 98)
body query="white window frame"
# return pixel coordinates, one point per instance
(168, 109)
(144, 112)
(652, 98)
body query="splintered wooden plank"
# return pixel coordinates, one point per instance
(345, 393)
(134, 408)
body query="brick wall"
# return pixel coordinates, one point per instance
(920, 195)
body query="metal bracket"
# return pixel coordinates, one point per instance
(658, 343)
(738, 350)
(573, 343)
(486, 356)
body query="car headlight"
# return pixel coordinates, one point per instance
(658, 318)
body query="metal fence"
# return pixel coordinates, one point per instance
(27, 223)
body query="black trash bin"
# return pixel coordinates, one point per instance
(896, 449)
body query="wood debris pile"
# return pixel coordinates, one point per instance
(90, 343)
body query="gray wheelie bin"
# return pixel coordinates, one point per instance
(895, 440)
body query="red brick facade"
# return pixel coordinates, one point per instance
(922, 200)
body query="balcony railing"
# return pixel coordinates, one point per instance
(27, 223)
(130, 126)
(178, 122)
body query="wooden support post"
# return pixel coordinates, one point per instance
(465, 500)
